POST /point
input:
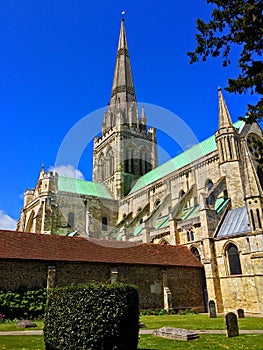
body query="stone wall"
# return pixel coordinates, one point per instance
(185, 283)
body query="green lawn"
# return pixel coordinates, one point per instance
(149, 342)
(199, 321)
(22, 342)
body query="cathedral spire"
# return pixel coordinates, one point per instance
(122, 87)
(224, 119)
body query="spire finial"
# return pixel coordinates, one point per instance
(224, 119)
(122, 15)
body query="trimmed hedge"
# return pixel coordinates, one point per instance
(95, 316)
(23, 303)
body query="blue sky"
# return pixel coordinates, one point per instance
(57, 60)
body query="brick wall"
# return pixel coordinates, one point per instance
(185, 283)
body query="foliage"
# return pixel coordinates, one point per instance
(158, 311)
(235, 22)
(22, 303)
(187, 312)
(96, 316)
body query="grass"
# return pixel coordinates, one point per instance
(21, 342)
(149, 342)
(218, 342)
(199, 321)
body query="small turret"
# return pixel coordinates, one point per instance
(252, 190)
(228, 145)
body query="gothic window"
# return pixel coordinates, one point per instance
(196, 253)
(229, 147)
(110, 163)
(71, 219)
(181, 194)
(104, 224)
(233, 260)
(129, 161)
(258, 217)
(208, 184)
(101, 164)
(190, 235)
(157, 203)
(252, 219)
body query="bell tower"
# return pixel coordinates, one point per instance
(126, 149)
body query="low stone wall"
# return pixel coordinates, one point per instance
(185, 283)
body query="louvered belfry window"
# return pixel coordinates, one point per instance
(233, 259)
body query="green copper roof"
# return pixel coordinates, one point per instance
(197, 151)
(89, 188)
(162, 222)
(191, 213)
(137, 230)
(220, 204)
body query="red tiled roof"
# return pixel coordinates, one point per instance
(36, 246)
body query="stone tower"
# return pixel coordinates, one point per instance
(126, 149)
(229, 152)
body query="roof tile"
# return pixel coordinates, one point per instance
(36, 246)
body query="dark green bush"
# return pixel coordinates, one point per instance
(97, 317)
(23, 303)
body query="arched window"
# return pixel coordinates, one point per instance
(233, 260)
(101, 164)
(104, 224)
(208, 184)
(157, 203)
(190, 235)
(71, 219)
(196, 253)
(252, 219)
(110, 163)
(181, 193)
(129, 161)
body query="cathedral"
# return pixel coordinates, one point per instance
(208, 198)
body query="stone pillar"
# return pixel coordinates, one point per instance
(167, 299)
(51, 275)
(114, 276)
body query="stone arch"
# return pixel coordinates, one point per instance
(164, 241)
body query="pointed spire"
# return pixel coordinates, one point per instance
(224, 119)
(122, 87)
(252, 186)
